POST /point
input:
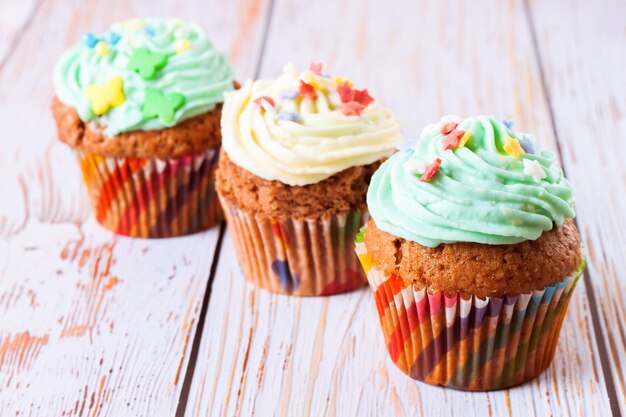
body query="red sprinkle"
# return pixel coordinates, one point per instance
(352, 108)
(348, 94)
(448, 127)
(452, 139)
(431, 171)
(307, 90)
(316, 67)
(266, 98)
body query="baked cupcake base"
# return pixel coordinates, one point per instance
(297, 257)
(468, 343)
(150, 197)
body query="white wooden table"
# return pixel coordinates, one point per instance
(97, 325)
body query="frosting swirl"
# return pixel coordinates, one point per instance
(179, 66)
(490, 187)
(299, 129)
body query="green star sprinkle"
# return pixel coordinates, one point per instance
(146, 63)
(163, 106)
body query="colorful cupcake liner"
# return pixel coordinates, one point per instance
(465, 342)
(297, 257)
(153, 198)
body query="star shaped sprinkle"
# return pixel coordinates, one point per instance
(107, 96)
(527, 144)
(146, 63)
(262, 99)
(290, 116)
(102, 48)
(507, 122)
(341, 80)
(163, 106)
(352, 108)
(452, 139)
(448, 127)
(533, 169)
(512, 147)
(182, 45)
(415, 166)
(353, 100)
(89, 40)
(307, 90)
(316, 68)
(111, 38)
(431, 170)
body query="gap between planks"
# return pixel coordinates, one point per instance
(195, 348)
(593, 305)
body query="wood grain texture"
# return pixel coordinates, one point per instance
(586, 86)
(265, 354)
(91, 324)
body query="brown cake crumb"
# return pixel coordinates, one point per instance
(189, 137)
(340, 193)
(478, 269)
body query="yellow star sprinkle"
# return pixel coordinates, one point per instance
(512, 147)
(107, 96)
(102, 48)
(182, 45)
(341, 80)
(466, 136)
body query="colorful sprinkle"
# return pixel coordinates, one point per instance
(111, 38)
(163, 106)
(347, 94)
(448, 127)
(512, 147)
(290, 116)
(342, 80)
(134, 24)
(527, 144)
(415, 166)
(146, 63)
(431, 170)
(360, 236)
(107, 96)
(102, 49)
(289, 95)
(182, 45)
(316, 68)
(352, 108)
(466, 136)
(508, 123)
(267, 99)
(533, 169)
(149, 30)
(89, 39)
(452, 139)
(307, 90)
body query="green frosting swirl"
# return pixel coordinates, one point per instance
(481, 193)
(193, 68)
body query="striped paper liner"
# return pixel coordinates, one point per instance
(153, 198)
(297, 257)
(468, 343)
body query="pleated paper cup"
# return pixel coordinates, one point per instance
(468, 343)
(153, 198)
(297, 257)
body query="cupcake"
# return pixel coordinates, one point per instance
(471, 254)
(140, 105)
(298, 154)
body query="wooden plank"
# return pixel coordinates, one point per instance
(274, 355)
(582, 47)
(14, 20)
(92, 324)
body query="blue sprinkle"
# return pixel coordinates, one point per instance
(407, 145)
(527, 144)
(89, 39)
(287, 115)
(149, 30)
(111, 38)
(290, 95)
(508, 123)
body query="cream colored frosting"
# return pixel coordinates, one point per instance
(297, 140)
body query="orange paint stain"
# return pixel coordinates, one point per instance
(88, 309)
(17, 352)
